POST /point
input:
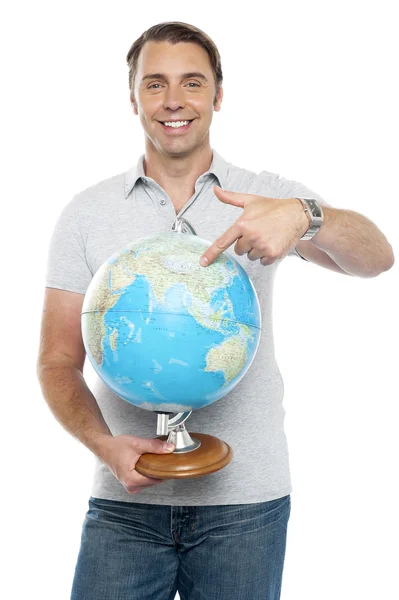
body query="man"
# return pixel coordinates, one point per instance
(223, 535)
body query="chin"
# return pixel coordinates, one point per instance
(175, 149)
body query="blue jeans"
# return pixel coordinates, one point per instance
(133, 551)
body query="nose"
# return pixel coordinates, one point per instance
(174, 97)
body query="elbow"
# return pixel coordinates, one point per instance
(389, 262)
(391, 259)
(39, 368)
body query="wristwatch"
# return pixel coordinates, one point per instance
(315, 215)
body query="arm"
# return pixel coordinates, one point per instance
(312, 254)
(74, 406)
(351, 241)
(60, 371)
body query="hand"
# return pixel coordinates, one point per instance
(268, 229)
(121, 455)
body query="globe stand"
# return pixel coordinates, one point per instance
(176, 431)
(193, 456)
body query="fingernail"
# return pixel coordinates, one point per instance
(168, 446)
(204, 261)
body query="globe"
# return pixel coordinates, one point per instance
(163, 332)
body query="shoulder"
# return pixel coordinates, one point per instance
(250, 182)
(268, 184)
(239, 179)
(101, 192)
(95, 197)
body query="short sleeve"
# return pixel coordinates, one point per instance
(67, 268)
(280, 187)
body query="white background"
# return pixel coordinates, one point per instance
(311, 93)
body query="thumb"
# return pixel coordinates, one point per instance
(153, 445)
(234, 198)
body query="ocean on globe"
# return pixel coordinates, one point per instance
(163, 332)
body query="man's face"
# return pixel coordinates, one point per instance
(175, 96)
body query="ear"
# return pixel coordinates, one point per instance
(134, 104)
(218, 99)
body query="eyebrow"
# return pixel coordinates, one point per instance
(183, 76)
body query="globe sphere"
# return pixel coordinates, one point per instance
(163, 332)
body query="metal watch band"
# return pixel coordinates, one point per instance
(315, 214)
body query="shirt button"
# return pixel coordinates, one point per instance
(163, 201)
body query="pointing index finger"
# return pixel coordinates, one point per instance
(220, 245)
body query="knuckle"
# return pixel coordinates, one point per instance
(271, 252)
(244, 227)
(129, 485)
(238, 249)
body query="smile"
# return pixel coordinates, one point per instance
(178, 126)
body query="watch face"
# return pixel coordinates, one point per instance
(314, 207)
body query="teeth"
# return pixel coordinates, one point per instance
(176, 123)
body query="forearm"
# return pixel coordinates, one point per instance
(74, 406)
(354, 242)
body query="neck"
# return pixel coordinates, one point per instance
(178, 173)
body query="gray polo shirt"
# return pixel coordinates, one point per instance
(107, 216)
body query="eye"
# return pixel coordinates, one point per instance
(191, 83)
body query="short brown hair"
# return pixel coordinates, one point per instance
(175, 32)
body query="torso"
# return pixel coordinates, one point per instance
(178, 207)
(179, 204)
(179, 198)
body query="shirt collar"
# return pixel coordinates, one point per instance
(219, 167)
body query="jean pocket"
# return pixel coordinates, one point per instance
(239, 519)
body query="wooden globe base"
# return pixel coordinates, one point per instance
(212, 455)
